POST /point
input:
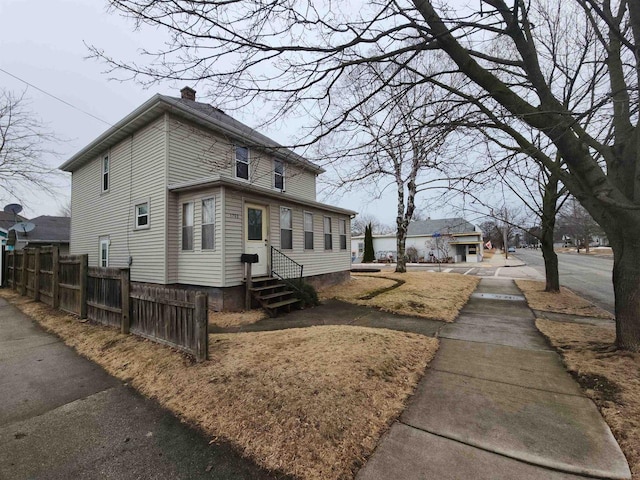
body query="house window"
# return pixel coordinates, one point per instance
(328, 238)
(208, 223)
(142, 215)
(105, 173)
(104, 251)
(242, 162)
(308, 231)
(187, 226)
(286, 232)
(342, 224)
(278, 174)
(360, 248)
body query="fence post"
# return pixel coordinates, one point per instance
(84, 272)
(13, 269)
(36, 276)
(200, 319)
(23, 282)
(248, 286)
(55, 283)
(125, 278)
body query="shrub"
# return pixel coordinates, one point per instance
(307, 294)
(412, 254)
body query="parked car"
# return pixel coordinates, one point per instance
(511, 250)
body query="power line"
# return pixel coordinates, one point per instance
(55, 97)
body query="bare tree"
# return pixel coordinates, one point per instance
(575, 222)
(293, 53)
(359, 224)
(23, 146)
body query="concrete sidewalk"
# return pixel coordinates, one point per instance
(63, 417)
(497, 403)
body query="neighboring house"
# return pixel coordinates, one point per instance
(178, 190)
(447, 237)
(48, 231)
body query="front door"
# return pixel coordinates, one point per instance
(256, 239)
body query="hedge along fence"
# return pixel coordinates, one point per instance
(170, 316)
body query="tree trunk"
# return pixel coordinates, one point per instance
(548, 224)
(401, 239)
(626, 288)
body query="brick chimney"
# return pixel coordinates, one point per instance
(188, 93)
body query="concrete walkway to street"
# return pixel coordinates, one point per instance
(497, 403)
(63, 417)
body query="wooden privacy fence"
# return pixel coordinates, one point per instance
(170, 316)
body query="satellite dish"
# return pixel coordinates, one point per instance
(23, 227)
(14, 208)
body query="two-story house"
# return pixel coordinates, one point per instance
(178, 191)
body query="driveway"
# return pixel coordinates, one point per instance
(63, 417)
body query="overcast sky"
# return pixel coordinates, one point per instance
(43, 42)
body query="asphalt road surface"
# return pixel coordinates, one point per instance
(588, 275)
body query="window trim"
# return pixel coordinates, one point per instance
(304, 229)
(330, 233)
(104, 240)
(235, 163)
(290, 229)
(276, 174)
(183, 226)
(342, 222)
(136, 216)
(202, 224)
(104, 158)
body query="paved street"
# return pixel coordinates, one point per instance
(588, 275)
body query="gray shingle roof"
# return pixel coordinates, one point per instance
(443, 226)
(48, 229)
(8, 220)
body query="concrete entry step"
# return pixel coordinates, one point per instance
(498, 296)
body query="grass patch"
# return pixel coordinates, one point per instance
(565, 301)
(236, 319)
(488, 254)
(609, 376)
(437, 296)
(309, 402)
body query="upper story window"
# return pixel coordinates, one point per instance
(342, 223)
(208, 223)
(308, 231)
(286, 230)
(105, 173)
(278, 174)
(242, 162)
(187, 226)
(142, 215)
(328, 237)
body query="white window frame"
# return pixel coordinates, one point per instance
(104, 262)
(290, 229)
(183, 226)
(235, 163)
(137, 216)
(304, 227)
(203, 224)
(329, 233)
(105, 173)
(277, 162)
(342, 232)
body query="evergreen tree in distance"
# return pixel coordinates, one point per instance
(368, 255)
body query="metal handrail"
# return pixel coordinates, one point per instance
(286, 268)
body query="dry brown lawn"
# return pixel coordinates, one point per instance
(488, 254)
(437, 296)
(236, 319)
(610, 377)
(308, 402)
(564, 302)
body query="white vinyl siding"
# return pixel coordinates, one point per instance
(136, 172)
(316, 262)
(195, 153)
